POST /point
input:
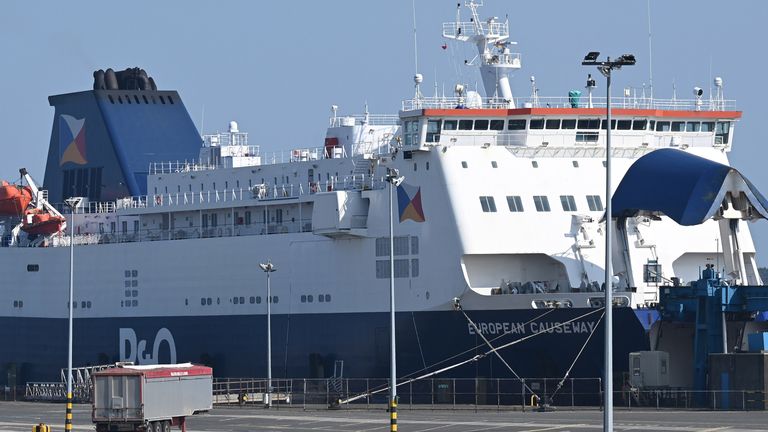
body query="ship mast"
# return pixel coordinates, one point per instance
(495, 60)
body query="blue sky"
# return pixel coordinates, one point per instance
(277, 67)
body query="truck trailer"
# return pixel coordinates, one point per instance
(150, 398)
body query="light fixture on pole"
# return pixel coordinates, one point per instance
(394, 179)
(269, 268)
(605, 68)
(73, 204)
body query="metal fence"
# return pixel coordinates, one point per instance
(477, 394)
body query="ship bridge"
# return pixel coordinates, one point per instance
(567, 123)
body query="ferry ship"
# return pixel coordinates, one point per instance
(498, 232)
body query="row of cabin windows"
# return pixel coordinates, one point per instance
(322, 298)
(433, 126)
(83, 305)
(207, 301)
(541, 203)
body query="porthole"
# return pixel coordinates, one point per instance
(202, 301)
(327, 297)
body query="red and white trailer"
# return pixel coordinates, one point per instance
(150, 398)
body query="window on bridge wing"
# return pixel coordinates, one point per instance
(433, 131)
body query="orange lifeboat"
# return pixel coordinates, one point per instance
(14, 200)
(38, 222)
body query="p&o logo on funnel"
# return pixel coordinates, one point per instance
(72, 140)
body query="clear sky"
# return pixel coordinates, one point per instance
(277, 67)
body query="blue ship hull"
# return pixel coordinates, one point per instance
(306, 345)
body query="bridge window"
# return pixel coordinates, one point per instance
(604, 123)
(692, 126)
(589, 123)
(433, 131)
(488, 204)
(516, 124)
(707, 126)
(553, 124)
(568, 203)
(449, 125)
(624, 125)
(722, 131)
(678, 126)
(639, 124)
(536, 124)
(514, 203)
(662, 126)
(595, 203)
(568, 124)
(465, 124)
(497, 125)
(481, 124)
(542, 203)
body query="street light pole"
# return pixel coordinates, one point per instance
(72, 203)
(394, 179)
(605, 68)
(269, 268)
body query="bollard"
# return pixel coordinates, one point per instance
(393, 414)
(41, 427)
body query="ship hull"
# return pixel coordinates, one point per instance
(307, 345)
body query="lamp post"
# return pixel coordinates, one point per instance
(72, 203)
(394, 179)
(605, 68)
(269, 268)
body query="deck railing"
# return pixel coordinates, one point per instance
(629, 102)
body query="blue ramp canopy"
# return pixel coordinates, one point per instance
(687, 188)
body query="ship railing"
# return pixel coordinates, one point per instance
(370, 119)
(170, 167)
(465, 30)
(629, 102)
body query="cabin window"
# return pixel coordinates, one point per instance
(707, 126)
(536, 124)
(497, 125)
(516, 124)
(494, 164)
(604, 123)
(652, 272)
(568, 203)
(135, 226)
(464, 164)
(514, 203)
(595, 203)
(465, 124)
(639, 124)
(488, 204)
(568, 124)
(449, 124)
(588, 137)
(589, 123)
(481, 125)
(33, 267)
(575, 164)
(534, 164)
(553, 124)
(678, 126)
(433, 131)
(541, 202)
(662, 126)
(692, 126)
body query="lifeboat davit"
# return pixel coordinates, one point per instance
(38, 222)
(14, 199)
